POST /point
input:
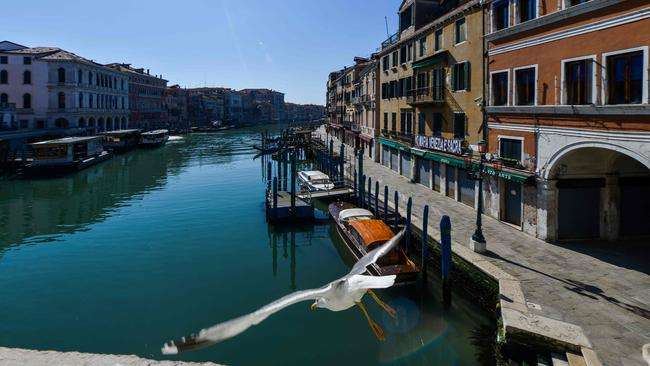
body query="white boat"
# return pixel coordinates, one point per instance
(67, 154)
(314, 180)
(154, 138)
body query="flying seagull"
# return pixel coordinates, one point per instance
(337, 295)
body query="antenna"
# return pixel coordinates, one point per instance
(386, 20)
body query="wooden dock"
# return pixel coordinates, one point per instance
(332, 193)
(280, 208)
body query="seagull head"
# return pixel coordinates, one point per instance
(314, 306)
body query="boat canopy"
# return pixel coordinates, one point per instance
(121, 132)
(314, 175)
(372, 231)
(66, 141)
(354, 213)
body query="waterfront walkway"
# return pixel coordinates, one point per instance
(557, 291)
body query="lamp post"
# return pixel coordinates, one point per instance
(477, 242)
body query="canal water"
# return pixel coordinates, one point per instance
(156, 244)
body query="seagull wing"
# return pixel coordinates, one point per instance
(220, 332)
(373, 256)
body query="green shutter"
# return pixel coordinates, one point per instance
(466, 75)
(453, 78)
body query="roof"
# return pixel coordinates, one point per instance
(372, 231)
(315, 174)
(67, 140)
(354, 213)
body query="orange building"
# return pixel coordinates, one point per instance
(568, 107)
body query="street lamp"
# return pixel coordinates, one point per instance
(478, 243)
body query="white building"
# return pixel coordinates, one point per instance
(56, 89)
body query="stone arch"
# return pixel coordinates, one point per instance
(547, 171)
(91, 122)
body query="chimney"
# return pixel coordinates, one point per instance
(147, 71)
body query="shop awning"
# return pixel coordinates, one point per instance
(518, 177)
(394, 144)
(430, 61)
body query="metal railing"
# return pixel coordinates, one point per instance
(390, 40)
(406, 136)
(434, 94)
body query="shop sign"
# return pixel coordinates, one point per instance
(454, 146)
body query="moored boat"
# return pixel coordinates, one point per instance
(314, 180)
(67, 154)
(362, 232)
(154, 138)
(121, 140)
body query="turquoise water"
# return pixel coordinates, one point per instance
(157, 244)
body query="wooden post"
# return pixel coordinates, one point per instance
(386, 205)
(407, 239)
(445, 246)
(330, 159)
(355, 185)
(362, 187)
(369, 193)
(285, 172)
(269, 173)
(396, 211)
(279, 175)
(293, 183)
(377, 199)
(425, 241)
(360, 168)
(275, 197)
(342, 164)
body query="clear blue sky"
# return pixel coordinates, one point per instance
(287, 45)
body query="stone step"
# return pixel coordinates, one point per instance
(559, 359)
(575, 359)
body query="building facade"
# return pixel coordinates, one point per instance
(146, 97)
(176, 104)
(56, 89)
(365, 90)
(575, 116)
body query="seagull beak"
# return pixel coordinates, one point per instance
(314, 306)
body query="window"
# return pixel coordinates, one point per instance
(27, 77)
(422, 122)
(460, 121)
(385, 63)
(625, 78)
(574, 2)
(386, 121)
(393, 122)
(4, 60)
(438, 83)
(402, 55)
(578, 82)
(438, 40)
(461, 30)
(27, 100)
(81, 100)
(393, 89)
(409, 52)
(409, 123)
(4, 98)
(4, 77)
(423, 46)
(27, 60)
(437, 124)
(499, 88)
(383, 91)
(510, 149)
(61, 75)
(79, 76)
(402, 122)
(90, 78)
(61, 100)
(527, 10)
(395, 57)
(406, 19)
(460, 76)
(90, 100)
(525, 84)
(122, 84)
(500, 15)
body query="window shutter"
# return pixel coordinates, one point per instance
(453, 77)
(466, 75)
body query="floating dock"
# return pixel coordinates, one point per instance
(282, 207)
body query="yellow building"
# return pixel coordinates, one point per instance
(430, 97)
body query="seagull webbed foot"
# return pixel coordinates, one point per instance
(379, 333)
(383, 305)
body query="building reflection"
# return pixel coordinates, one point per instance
(34, 208)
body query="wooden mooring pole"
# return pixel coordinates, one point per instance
(293, 183)
(386, 205)
(377, 199)
(396, 211)
(445, 248)
(407, 238)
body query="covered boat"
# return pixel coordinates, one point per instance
(314, 180)
(121, 140)
(154, 138)
(362, 232)
(67, 154)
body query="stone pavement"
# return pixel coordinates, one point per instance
(23, 357)
(557, 291)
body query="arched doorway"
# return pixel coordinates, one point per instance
(118, 125)
(109, 124)
(101, 125)
(603, 191)
(124, 122)
(82, 123)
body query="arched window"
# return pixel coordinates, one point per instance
(110, 83)
(97, 79)
(61, 100)
(90, 100)
(90, 78)
(27, 77)
(4, 77)
(81, 100)
(61, 75)
(122, 83)
(115, 83)
(4, 98)
(80, 76)
(27, 100)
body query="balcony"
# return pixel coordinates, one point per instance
(405, 137)
(427, 95)
(368, 131)
(391, 40)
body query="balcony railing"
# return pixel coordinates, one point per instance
(434, 94)
(392, 39)
(405, 136)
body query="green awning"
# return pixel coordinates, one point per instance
(430, 61)
(512, 176)
(394, 144)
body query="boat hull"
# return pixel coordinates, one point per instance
(74, 166)
(406, 274)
